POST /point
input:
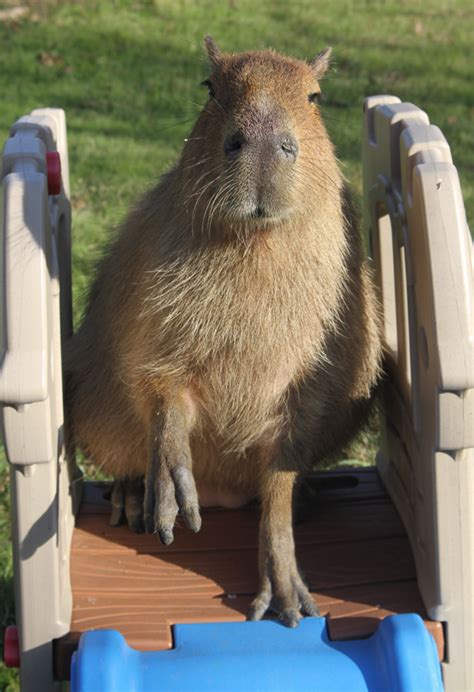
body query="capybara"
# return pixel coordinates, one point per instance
(231, 340)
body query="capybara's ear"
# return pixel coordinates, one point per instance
(213, 50)
(321, 62)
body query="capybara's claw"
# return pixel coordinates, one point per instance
(192, 518)
(186, 496)
(308, 606)
(290, 617)
(169, 489)
(258, 609)
(261, 603)
(160, 502)
(293, 600)
(166, 535)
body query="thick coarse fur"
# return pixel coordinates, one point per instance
(232, 333)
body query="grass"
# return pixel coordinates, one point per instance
(128, 72)
(8, 678)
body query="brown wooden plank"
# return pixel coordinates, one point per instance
(212, 573)
(397, 596)
(237, 529)
(123, 611)
(228, 571)
(365, 562)
(121, 608)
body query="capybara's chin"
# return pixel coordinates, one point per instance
(261, 201)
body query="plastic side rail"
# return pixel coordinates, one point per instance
(423, 261)
(35, 313)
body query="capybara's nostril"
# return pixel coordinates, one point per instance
(287, 147)
(233, 145)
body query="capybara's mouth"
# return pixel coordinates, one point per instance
(265, 214)
(257, 216)
(259, 213)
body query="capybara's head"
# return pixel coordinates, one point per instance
(259, 149)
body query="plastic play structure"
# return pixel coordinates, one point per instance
(77, 583)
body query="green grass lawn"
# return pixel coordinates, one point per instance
(127, 74)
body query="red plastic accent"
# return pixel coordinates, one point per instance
(53, 163)
(11, 647)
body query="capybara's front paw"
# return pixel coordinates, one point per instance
(169, 488)
(283, 592)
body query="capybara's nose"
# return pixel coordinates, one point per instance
(282, 146)
(286, 147)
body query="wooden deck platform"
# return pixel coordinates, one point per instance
(353, 551)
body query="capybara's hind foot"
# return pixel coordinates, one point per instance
(127, 503)
(285, 594)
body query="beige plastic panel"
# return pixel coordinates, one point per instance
(36, 310)
(423, 258)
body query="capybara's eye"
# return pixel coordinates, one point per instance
(315, 97)
(210, 87)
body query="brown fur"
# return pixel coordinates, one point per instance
(262, 332)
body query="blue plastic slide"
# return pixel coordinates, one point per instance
(249, 656)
